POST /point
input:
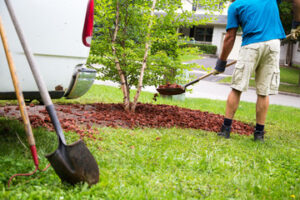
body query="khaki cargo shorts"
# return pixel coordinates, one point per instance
(262, 59)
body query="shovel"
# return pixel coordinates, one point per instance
(179, 90)
(73, 163)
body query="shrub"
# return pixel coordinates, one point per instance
(208, 48)
(205, 48)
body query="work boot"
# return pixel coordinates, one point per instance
(225, 131)
(259, 135)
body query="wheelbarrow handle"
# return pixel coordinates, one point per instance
(206, 75)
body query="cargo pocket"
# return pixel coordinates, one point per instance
(275, 81)
(237, 76)
(273, 57)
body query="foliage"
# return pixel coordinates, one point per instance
(205, 48)
(189, 54)
(208, 48)
(286, 15)
(164, 163)
(209, 6)
(167, 44)
(130, 24)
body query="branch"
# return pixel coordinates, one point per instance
(144, 64)
(117, 62)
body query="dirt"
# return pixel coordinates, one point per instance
(170, 89)
(85, 118)
(169, 85)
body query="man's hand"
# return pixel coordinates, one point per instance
(220, 66)
(295, 32)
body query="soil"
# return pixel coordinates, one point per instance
(85, 118)
(170, 89)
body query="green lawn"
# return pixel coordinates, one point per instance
(185, 58)
(183, 164)
(289, 75)
(188, 54)
(289, 78)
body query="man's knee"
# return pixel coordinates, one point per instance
(236, 92)
(262, 100)
(259, 96)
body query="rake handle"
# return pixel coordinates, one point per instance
(19, 95)
(37, 75)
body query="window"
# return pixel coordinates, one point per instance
(203, 34)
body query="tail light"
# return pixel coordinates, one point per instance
(88, 24)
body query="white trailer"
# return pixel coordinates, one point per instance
(58, 33)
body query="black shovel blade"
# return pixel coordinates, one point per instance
(74, 163)
(170, 91)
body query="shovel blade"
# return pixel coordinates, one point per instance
(74, 163)
(170, 91)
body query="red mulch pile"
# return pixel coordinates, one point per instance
(169, 85)
(83, 119)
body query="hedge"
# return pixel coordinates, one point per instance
(205, 48)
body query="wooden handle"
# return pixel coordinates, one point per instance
(17, 87)
(36, 74)
(206, 75)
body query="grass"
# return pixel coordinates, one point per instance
(289, 75)
(188, 54)
(165, 163)
(289, 78)
(185, 58)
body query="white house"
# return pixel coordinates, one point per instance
(214, 32)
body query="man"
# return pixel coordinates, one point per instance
(262, 31)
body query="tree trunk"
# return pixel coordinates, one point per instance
(299, 80)
(289, 54)
(144, 64)
(124, 85)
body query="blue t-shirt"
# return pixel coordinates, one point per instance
(259, 20)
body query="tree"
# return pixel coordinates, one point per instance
(136, 47)
(286, 16)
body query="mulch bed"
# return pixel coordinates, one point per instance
(85, 118)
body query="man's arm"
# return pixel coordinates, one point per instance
(228, 43)
(227, 47)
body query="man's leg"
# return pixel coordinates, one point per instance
(262, 105)
(232, 104)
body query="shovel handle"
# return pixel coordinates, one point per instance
(206, 75)
(36, 74)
